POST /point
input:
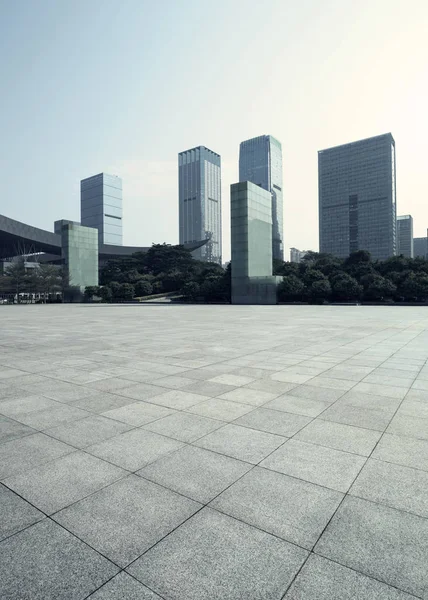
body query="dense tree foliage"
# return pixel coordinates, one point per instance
(322, 277)
(43, 280)
(164, 269)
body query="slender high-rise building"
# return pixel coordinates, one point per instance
(260, 161)
(199, 199)
(357, 198)
(101, 207)
(405, 235)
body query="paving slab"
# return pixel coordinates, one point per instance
(15, 514)
(273, 421)
(134, 449)
(290, 508)
(322, 579)
(219, 558)
(63, 481)
(393, 485)
(126, 518)
(123, 587)
(242, 443)
(45, 562)
(298, 406)
(21, 454)
(184, 426)
(339, 436)
(138, 413)
(196, 473)
(406, 451)
(11, 429)
(324, 466)
(380, 542)
(88, 431)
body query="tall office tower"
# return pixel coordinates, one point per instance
(260, 161)
(420, 246)
(405, 235)
(199, 201)
(357, 198)
(101, 207)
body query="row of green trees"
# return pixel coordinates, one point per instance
(41, 279)
(322, 277)
(163, 269)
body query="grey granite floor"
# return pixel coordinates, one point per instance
(223, 452)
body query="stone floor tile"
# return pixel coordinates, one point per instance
(273, 421)
(292, 509)
(125, 519)
(380, 542)
(367, 418)
(340, 436)
(418, 395)
(102, 402)
(381, 379)
(291, 377)
(420, 384)
(61, 482)
(134, 449)
(393, 485)
(111, 384)
(410, 426)
(232, 379)
(401, 450)
(413, 408)
(138, 413)
(11, 429)
(223, 410)
(323, 381)
(248, 396)
(141, 391)
(242, 443)
(177, 399)
(196, 473)
(22, 454)
(219, 557)
(325, 466)
(173, 382)
(85, 432)
(184, 426)
(268, 385)
(68, 393)
(322, 579)
(209, 388)
(15, 514)
(50, 417)
(381, 390)
(25, 405)
(123, 587)
(298, 406)
(311, 392)
(45, 562)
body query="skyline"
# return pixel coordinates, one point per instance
(128, 104)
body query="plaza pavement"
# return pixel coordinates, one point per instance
(213, 452)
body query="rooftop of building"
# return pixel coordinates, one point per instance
(357, 142)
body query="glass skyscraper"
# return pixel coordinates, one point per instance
(357, 198)
(199, 199)
(101, 207)
(260, 161)
(420, 246)
(405, 235)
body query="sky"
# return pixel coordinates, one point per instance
(122, 86)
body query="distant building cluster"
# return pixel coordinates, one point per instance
(357, 202)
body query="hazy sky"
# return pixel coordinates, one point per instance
(123, 85)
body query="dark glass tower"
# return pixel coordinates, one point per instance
(260, 161)
(357, 198)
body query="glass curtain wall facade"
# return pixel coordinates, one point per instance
(260, 161)
(420, 247)
(80, 255)
(251, 230)
(199, 200)
(357, 198)
(101, 207)
(405, 235)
